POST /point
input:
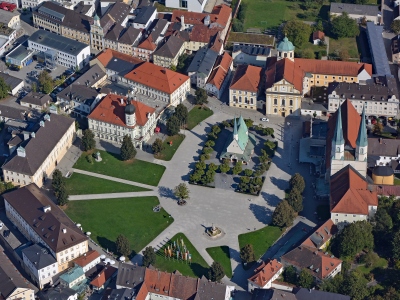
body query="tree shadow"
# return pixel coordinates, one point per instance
(166, 192)
(199, 270)
(271, 199)
(261, 213)
(110, 148)
(107, 244)
(280, 183)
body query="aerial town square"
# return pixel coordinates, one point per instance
(200, 150)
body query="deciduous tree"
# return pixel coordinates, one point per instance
(149, 256)
(181, 191)
(46, 83)
(247, 253)
(216, 272)
(123, 245)
(173, 126)
(201, 96)
(297, 182)
(157, 146)
(343, 26)
(237, 168)
(4, 89)
(88, 142)
(127, 150)
(181, 112)
(395, 26)
(297, 32)
(290, 275)
(295, 200)
(305, 279)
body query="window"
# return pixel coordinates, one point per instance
(275, 101)
(290, 102)
(283, 102)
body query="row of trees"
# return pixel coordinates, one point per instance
(238, 22)
(286, 210)
(59, 187)
(177, 120)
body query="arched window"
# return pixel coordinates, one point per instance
(290, 102)
(275, 101)
(283, 102)
(275, 110)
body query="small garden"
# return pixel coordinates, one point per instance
(198, 114)
(166, 149)
(112, 165)
(221, 254)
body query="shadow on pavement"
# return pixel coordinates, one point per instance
(261, 213)
(271, 199)
(166, 192)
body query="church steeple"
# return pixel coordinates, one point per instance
(362, 140)
(235, 132)
(338, 140)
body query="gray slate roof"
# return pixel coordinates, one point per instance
(91, 76)
(378, 50)
(157, 27)
(170, 48)
(12, 112)
(252, 50)
(78, 93)
(38, 148)
(29, 201)
(11, 80)
(355, 9)
(121, 294)
(6, 16)
(144, 14)
(39, 256)
(310, 105)
(203, 62)
(383, 147)
(56, 293)
(36, 98)
(130, 276)
(57, 42)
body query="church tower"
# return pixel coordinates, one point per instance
(285, 49)
(96, 34)
(130, 117)
(362, 140)
(235, 133)
(338, 139)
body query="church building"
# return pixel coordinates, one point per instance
(239, 146)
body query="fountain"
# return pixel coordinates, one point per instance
(213, 232)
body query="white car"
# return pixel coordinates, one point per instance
(265, 119)
(1, 225)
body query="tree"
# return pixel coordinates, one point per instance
(216, 272)
(157, 146)
(396, 245)
(123, 246)
(60, 190)
(173, 125)
(319, 26)
(344, 55)
(149, 256)
(128, 150)
(353, 285)
(297, 182)
(58, 180)
(383, 221)
(247, 253)
(395, 26)
(182, 63)
(378, 127)
(295, 200)
(88, 142)
(343, 26)
(34, 87)
(283, 214)
(62, 196)
(290, 275)
(181, 112)
(297, 32)
(224, 167)
(46, 83)
(237, 168)
(172, 68)
(201, 96)
(4, 89)
(237, 25)
(353, 238)
(181, 191)
(307, 53)
(305, 279)
(370, 258)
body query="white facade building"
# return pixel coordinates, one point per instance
(64, 51)
(190, 5)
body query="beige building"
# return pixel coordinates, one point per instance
(42, 221)
(246, 86)
(39, 152)
(168, 54)
(11, 19)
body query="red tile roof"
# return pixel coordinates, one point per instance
(276, 70)
(220, 15)
(318, 35)
(103, 276)
(111, 110)
(331, 67)
(323, 234)
(219, 73)
(247, 78)
(148, 44)
(351, 124)
(87, 258)
(319, 265)
(106, 55)
(157, 77)
(265, 272)
(202, 33)
(349, 193)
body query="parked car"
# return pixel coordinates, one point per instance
(39, 67)
(265, 119)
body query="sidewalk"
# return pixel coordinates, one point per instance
(112, 195)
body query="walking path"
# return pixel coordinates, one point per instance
(112, 195)
(146, 186)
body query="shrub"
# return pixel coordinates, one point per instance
(89, 158)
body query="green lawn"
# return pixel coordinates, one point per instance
(221, 255)
(261, 239)
(198, 114)
(132, 217)
(111, 165)
(169, 150)
(381, 263)
(266, 14)
(80, 184)
(197, 268)
(349, 44)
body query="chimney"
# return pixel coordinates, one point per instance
(26, 136)
(33, 135)
(121, 101)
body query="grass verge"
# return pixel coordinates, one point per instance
(197, 268)
(381, 263)
(221, 255)
(132, 217)
(111, 165)
(198, 114)
(80, 184)
(169, 150)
